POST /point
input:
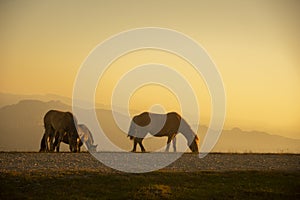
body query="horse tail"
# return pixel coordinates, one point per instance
(43, 145)
(131, 132)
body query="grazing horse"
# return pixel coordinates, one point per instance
(84, 136)
(160, 125)
(64, 140)
(58, 125)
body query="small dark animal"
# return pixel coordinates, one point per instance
(59, 125)
(160, 125)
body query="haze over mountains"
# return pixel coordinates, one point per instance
(8, 99)
(21, 123)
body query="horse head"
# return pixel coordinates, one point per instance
(93, 148)
(194, 145)
(74, 141)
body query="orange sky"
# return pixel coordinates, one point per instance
(255, 45)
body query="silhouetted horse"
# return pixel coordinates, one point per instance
(84, 136)
(58, 125)
(160, 125)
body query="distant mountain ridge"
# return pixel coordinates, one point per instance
(22, 128)
(22, 124)
(237, 140)
(10, 99)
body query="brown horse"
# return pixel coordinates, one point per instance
(58, 124)
(160, 125)
(84, 136)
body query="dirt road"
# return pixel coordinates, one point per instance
(49, 162)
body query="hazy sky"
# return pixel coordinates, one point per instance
(255, 45)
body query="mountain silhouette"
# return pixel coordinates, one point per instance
(9, 99)
(22, 129)
(22, 124)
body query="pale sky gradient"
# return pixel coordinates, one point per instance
(255, 45)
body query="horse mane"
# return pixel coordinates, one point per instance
(186, 130)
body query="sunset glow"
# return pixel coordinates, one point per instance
(254, 44)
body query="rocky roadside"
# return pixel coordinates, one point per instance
(26, 162)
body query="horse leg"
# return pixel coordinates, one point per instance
(168, 144)
(71, 148)
(49, 139)
(59, 135)
(46, 139)
(140, 140)
(87, 144)
(141, 135)
(78, 145)
(142, 147)
(43, 146)
(56, 143)
(50, 142)
(134, 145)
(174, 144)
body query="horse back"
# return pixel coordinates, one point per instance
(159, 124)
(59, 120)
(171, 124)
(142, 119)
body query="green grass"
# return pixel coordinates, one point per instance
(155, 185)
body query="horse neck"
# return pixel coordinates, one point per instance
(186, 131)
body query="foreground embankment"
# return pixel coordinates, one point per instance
(217, 176)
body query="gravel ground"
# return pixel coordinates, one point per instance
(25, 162)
